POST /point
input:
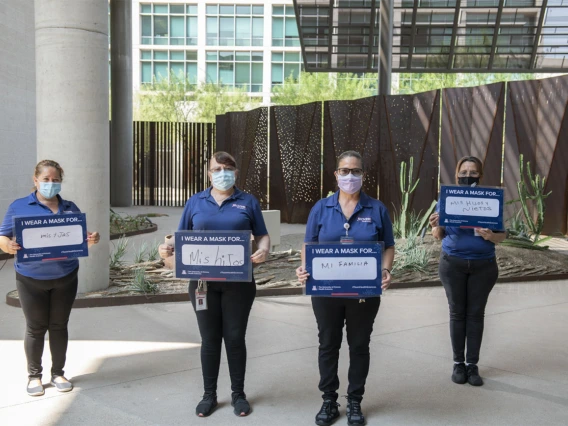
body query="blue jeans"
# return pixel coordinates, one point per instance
(467, 284)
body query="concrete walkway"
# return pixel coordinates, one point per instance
(140, 365)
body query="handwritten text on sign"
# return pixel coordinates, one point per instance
(51, 237)
(344, 270)
(213, 255)
(471, 207)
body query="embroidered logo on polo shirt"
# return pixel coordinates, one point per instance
(239, 206)
(364, 219)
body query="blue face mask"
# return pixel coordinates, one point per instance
(223, 179)
(49, 189)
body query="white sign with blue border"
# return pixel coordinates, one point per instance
(51, 237)
(471, 207)
(344, 270)
(213, 255)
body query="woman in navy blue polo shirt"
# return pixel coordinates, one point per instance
(223, 207)
(367, 219)
(468, 270)
(46, 290)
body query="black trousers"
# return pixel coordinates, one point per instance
(331, 314)
(467, 284)
(226, 318)
(47, 306)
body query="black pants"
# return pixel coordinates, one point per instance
(226, 318)
(467, 284)
(331, 314)
(47, 306)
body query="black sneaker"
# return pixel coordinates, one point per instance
(206, 405)
(354, 414)
(240, 404)
(328, 413)
(473, 377)
(459, 375)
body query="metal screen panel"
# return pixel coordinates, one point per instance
(536, 126)
(351, 125)
(409, 127)
(246, 138)
(472, 125)
(295, 160)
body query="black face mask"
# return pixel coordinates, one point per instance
(468, 180)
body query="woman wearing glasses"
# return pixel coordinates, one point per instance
(224, 207)
(468, 270)
(366, 219)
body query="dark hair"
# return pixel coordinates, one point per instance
(48, 163)
(224, 158)
(348, 154)
(471, 159)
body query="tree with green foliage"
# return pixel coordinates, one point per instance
(177, 99)
(423, 82)
(312, 87)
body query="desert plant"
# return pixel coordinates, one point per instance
(121, 224)
(407, 187)
(142, 284)
(411, 255)
(152, 253)
(525, 230)
(141, 255)
(118, 253)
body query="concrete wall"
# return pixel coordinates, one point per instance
(17, 100)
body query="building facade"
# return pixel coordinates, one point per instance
(240, 43)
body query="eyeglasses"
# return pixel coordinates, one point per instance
(218, 169)
(466, 174)
(345, 171)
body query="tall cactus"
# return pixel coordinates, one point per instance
(406, 188)
(535, 193)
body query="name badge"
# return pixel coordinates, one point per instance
(200, 300)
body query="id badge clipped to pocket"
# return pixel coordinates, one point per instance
(201, 296)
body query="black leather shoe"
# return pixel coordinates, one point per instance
(473, 377)
(354, 414)
(206, 405)
(328, 413)
(459, 375)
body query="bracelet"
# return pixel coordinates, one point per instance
(388, 270)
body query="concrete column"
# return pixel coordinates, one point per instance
(72, 114)
(121, 103)
(385, 46)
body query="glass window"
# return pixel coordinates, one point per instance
(242, 56)
(177, 69)
(177, 55)
(292, 56)
(257, 31)
(211, 71)
(192, 9)
(192, 72)
(146, 30)
(278, 10)
(257, 56)
(192, 31)
(146, 8)
(146, 54)
(212, 9)
(290, 11)
(243, 32)
(161, 8)
(277, 74)
(291, 70)
(177, 30)
(277, 31)
(160, 30)
(226, 56)
(243, 10)
(226, 10)
(177, 9)
(191, 55)
(242, 75)
(258, 10)
(211, 56)
(226, 31)
(256, 78)
(212, 34)
(291, 32)
(160, 71)
(160, 54)
(146, 72)
(226, 73)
